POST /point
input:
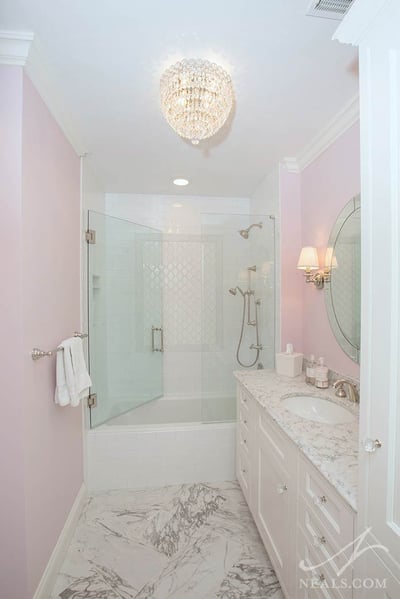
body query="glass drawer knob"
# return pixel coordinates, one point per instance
(371, 445)
(318, 541)
(318, 580)
(281, 489)
(320, 499)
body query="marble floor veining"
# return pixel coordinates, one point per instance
(193, 541)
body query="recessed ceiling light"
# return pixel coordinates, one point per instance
(181, 182)
(177, 205)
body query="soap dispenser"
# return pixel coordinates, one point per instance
(310, 370)
(321, 375)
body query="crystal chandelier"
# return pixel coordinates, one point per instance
(196, 98)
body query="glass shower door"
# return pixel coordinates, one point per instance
(125, 315)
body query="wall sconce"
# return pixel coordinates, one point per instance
(330, 263)
(308, 261)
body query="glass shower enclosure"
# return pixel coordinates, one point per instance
(125, 315)
(171, 313)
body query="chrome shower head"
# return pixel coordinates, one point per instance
(245, 232)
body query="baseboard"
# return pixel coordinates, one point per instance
(54, 564)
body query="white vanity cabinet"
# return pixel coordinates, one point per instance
(275, 496)
(325, 525)
(298, 513)
(245, 442)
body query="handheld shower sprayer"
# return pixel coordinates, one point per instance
(248, 299)
(234, 290)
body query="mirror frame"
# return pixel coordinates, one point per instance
(349, 347)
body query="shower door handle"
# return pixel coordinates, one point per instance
(153, 345)
(162, 339)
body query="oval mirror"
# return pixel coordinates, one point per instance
(343, 283)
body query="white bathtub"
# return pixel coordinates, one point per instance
(160, 443)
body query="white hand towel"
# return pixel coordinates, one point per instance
(61, 396)
(76, 376)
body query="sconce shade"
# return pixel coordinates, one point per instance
(242, 277)
(330, 258)
(308, 259)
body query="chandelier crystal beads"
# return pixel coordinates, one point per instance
(196, 98)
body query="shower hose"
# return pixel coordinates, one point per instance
(248, 296)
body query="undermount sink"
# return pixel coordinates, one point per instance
(317, 409)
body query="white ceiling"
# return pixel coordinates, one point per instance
(106, 57)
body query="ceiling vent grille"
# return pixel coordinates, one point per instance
(329, 9)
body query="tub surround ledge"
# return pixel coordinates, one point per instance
(143, 456)
(332, 449)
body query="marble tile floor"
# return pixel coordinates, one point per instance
(181, 542)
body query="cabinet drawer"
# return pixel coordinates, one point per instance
(318, 580)
(321, 539)
(243, 440)
(246, 410)
(244, 415)
(335, 515)
(244, 424)
(243, 471)
(276, 440)
(324, 548)
(244, 399)
(310, 594)
(315, 594)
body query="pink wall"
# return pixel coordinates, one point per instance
(51, 232)
(325, 187)
(41, 242)
(291, 286)
(13, 571)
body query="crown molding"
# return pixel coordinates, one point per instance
(343, 120)
(22, 48)
(15, 47)
(291, 164)
(349, 115)
(358, 20)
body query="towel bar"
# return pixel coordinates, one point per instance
(37, 353)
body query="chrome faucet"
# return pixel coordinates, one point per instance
(352, 391)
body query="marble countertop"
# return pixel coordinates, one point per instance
(333, 449)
